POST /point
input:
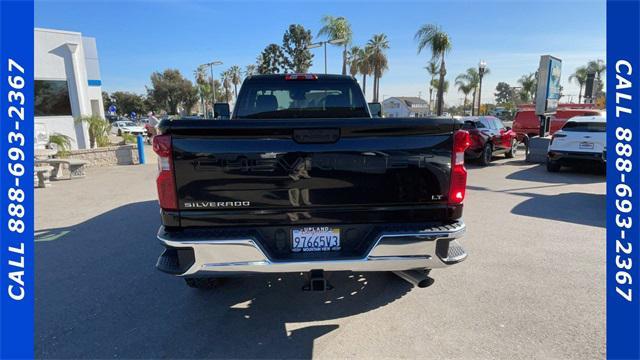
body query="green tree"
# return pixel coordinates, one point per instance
(106, 101)
(529, 84)
(598, 67)
(464, 87)
(377, 46)
(473, 78)
(433, 70)
(235, 76)
(353, 59)
(98, 129)
(336, 28)
(169, 89)
(445, 87)
(294, 45)
(359, 60)
(504, 93)
(225, 77)
(579, 76)
(127, 102)
(250, 69)
(271, 60)
(431, 36)
(189, 100)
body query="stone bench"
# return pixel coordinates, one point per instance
(65, 169)
(41, 174)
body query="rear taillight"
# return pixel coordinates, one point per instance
(458, 183)
(556, 136)
(165, 182)
(301, 77)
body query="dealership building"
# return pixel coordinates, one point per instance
(67, 85)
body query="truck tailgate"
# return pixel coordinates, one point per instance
(311, 171)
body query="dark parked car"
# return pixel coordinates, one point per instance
(489, 137)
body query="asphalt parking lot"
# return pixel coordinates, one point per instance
(532, 287)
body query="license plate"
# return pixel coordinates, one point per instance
(586, 145)
(320, 238)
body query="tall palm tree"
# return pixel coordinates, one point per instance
(528, 83)
(433, 70)
(439, 43)
(377, 45)
(250, 69)
(338, 28)
(472, 77)
(464, 87)
(353, 58)
(365, 66)
(235, 74)
(226, 84)
(579, 76)
(597, 66)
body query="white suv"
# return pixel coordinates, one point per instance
(582, 139)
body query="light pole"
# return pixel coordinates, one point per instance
(482, 66)
(324, 43)
(213, 88)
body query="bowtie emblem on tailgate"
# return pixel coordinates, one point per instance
(316, 136)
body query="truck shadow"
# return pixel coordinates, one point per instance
(574, 207)
(98, 295)
(576, 175)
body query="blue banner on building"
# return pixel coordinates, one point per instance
(16, 179)
(623, 180)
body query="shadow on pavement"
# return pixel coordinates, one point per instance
(99, 295)
(574, 207)
(566, 176)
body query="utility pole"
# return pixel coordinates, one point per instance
(482, 66)
(324, 44)
(213, 89)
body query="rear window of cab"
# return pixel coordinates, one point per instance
(574, 126)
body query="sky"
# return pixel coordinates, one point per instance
(136, 38)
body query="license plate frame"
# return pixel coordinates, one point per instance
(586, 145)
(315, 239)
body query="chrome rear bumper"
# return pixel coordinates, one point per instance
(393, 251)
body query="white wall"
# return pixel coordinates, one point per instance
(392, 107)
(60, 55)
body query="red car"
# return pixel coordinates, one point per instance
(527, 124)
(488, 137)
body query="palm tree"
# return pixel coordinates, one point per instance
(464, 87)
(472, 78)
(528, 83)
(338, 28)
(226, 84)
(365, 66)
(377, 45)
(598, 67)
(353, 58)
(235, 74)
(433, 70)
(438, 41)
(250, 70)
(580, 76)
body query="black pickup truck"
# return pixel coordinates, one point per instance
(302, 178)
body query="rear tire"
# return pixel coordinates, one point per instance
(487, 155)
(553, 166)
(511, 153)
(202, 283)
